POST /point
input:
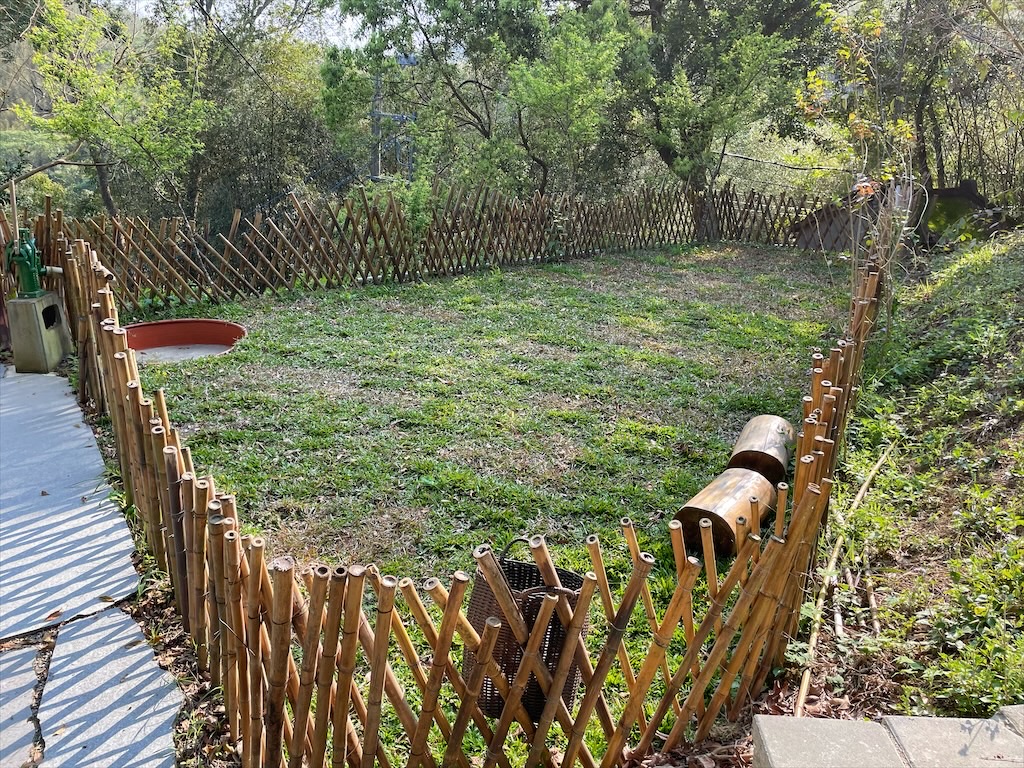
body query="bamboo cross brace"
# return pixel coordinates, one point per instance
(654, 660)
(501, 683)
(629, 533)
(562, 669)
(485, 662)
(310, 652)
(531, 659)
(597, 561)
(541, 556)
(604, 663)
(449, 620)
(471, 695)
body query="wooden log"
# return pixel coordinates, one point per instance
(723, 500)
(765, 445)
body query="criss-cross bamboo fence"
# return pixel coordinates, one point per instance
(362, 240)
(348, 666)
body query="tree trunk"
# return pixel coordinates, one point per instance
(103, 181)
(940, 157)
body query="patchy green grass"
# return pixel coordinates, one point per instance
(944, 523)
(405, 424)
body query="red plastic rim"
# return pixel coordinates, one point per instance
(180, 333)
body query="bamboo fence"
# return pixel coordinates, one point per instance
(365, 240)
(347, 666)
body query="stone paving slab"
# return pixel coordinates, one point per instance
(1013, 716)
(17, 687)
(106, 702)
(952, 742)
(790, 742)
(65, 550)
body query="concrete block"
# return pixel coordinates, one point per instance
(1013, 716)
(39, 333)
(66, 548)
(790, 742)
(952, 742)
(106, 702)
(17, 687)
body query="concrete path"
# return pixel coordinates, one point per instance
(65, 550)
(895, 742)
(65, 554)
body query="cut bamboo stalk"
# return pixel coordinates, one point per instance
(471, 696)
(780, 511)
(542, 557)
(449, 620)
(215, 577)
(563, 668)
(707, 543)
(347, 660)
(653, 662)
(170, 456)
(202, 500)
(252, 749)
(326, 665)
(239, 641)
(615, 634)
(310, 652)
(282, 571)
(530, 660)
(228, 639)
(188, 495)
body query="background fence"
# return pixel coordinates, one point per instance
(346, 665)
(362, 240)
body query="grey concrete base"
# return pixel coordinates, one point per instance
(1013, 717)
(946, 742)
(789, 742)
(65, 550)
(17, 687)
(39, 333)
(106, 702)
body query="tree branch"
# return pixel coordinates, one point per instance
(62, 160)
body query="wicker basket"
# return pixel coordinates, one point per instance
(528, 588)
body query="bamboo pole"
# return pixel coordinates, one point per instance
(471, 694)
(215, 578)
(252, 749)
(531, 660)
(563, 668)
(327, 663)
(449, 620)
(310, 652)
(378, 664)
(615, 634)
(203, 497)
(597, 562)
(282, 571)
(237, 638)
(347, 659)
(175, 512)
(653, 662)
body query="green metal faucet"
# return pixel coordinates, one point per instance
(23, 254)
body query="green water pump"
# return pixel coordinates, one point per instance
(23, 255)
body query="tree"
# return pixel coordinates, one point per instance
(119, 91)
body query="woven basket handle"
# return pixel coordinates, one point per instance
(518, 539)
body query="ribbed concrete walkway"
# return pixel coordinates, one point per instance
(65, 554)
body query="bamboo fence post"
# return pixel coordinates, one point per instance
(615, 634)
(203, 498)
(214, 576)
(707, 542)
(471, 695)
(170, 456)
(310, 652)
(252, 749)
(449, 620)
(282, 571)
(347, 659)
(238, 639)
(326, 665)
(530, 660)
(378, 662)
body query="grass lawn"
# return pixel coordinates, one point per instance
(404, 425)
